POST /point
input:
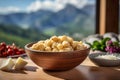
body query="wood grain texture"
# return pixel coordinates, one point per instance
(86, 71)
(107, 16)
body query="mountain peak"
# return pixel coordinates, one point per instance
(70, 7)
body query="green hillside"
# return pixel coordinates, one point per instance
(14, 34)
(9, 39)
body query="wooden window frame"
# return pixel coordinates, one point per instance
(107, 16)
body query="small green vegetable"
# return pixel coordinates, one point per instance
(99, 45)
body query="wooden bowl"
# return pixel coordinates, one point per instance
(103, 62)
(56, 60)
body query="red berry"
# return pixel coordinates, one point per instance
(2, 48)
(1, 53)
(10, 52)
(22, 50)
(18, 53)
(4, 54)
(8, 46)
(3, 44)
(15, 49)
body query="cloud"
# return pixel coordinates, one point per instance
(52, 5)
(77, 3)
(34, 6)
(9, 9)
(55, 5)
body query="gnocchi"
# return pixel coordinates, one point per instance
(58, 44)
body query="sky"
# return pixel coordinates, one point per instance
(10, 6)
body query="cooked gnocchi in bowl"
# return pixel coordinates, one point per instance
(58, 44)
(57, 53)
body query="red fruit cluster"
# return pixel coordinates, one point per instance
(10, 50)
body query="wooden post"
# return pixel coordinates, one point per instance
(108, 16)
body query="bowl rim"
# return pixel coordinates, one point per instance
(27, 48)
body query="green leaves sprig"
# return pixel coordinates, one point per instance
(99, 45)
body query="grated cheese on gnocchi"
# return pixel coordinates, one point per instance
(58, 44)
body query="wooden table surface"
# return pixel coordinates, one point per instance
(85, 71)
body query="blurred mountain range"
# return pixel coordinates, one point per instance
(43, 19)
